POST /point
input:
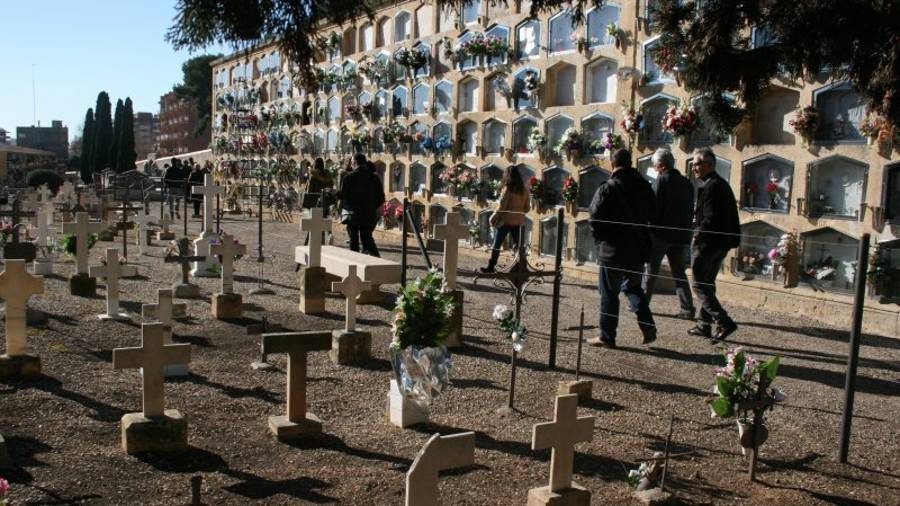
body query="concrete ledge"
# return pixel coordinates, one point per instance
(185, 291)
(581, 388)
(167, 433)
(19, 367)
(311, 281)
(576, 495)
(283, 428)
(226, 306)
(350, 348)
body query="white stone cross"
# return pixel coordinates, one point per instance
(143, 222)
(351, 287)
(439, 453)
(164, 310)
(44, 193)
(209, 190)
(562, 434)
(228, 248)
(451, 233)
(16, 286)
(112, 271)
(82, 228)
(153, 356)
(43, 234)
(315, 225)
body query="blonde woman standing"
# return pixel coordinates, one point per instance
(510, 214)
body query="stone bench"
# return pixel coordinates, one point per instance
(337, 261)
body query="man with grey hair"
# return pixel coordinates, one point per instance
(718, 230)
(672, 224)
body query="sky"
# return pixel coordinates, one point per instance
(79, 48)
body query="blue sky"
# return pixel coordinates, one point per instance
(79, 48)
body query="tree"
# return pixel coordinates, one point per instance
(116, 137)
(87, 145)
(854, 39)
(197, 86)
(102, 134)
(127, 154)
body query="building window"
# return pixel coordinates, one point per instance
(398, 103)
(836, 186)
(602, 81)
(443, 93)
(468, 91)
(528, 39)
(767, 184)
(597, 22)
(522, 128)
(500, 32)
(651, 69)
(402, 26)
(494, 137)
(556, 127)
(418, 177)
(398, 177)
(585, 247)
(367, 37)
(892, 196)
(590, 180)
(841, 112)
(424, 70)
(549, 236)
(561, 30)
(420, 99)
(523, 98)
(654, 109)
(592, 129)
(829, 259)
(471, 11)
(438, 186)
(554, 177)
(467, 63)
(468, 134)
(757, 240)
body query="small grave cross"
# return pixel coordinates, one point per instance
(81, 228)
(16, 213)
(184, 258)
(580, 328)
(164, 223)
(164, 310)
(296, 345)
(257, 329)
(315, 226)
(351, 287)
(227, 250)
(439, 454)
(153, 356)
(43, 235)
(44, 194)
(112, 271)
(16, 286)
(143, 222)
(124, 225)
(209, 190)
(561, 435)
(451, 233)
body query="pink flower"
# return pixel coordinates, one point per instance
(4, 487)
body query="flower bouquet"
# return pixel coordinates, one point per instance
(579, 41)
(632, 121)
(537, 141)
(806, 123)
(412, 59)
(875, 129)
(570, 143)
(515, 331)
(391, 213)
(681, 122)
(615, 33)
(4, 491)
(570, 190)
(421, 325)
(606, 143)
(442, 144)
(536, 189)
(772, 191)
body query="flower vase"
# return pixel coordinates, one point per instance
(870, 141)
(422, 373)
(745, 435)
(683, 142)
(572, 207)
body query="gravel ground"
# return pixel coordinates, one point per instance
(63, 429)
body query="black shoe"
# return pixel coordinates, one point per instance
(486, 270)
(649, 333)
(599, 342)
(685, 315)
(699, 331)
(724, 330)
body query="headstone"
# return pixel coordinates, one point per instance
(451, 233)
(351, 346)
(440, 453)
(44, 237)
(312, 275)
(81, 283)
(16, 286)
(165, 311)
(227, 304)
(185, 289)
(562, 434)
(164, 234)
(209, 190)
(112, 271)
(143, 222)
(44, 194)
(297, 422)
(155, 429)
(15, 249)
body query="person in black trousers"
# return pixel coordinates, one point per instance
(196, 179)
(718, 230)
(361, 195)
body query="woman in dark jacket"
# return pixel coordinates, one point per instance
(318, 187)
(361, 195)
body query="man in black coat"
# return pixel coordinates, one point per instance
(174, 177)
(620, 214)
(672, 226)
(361, 195)
(718, 230)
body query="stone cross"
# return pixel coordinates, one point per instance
(184, 258)
(164, 223)
(44, 193)
(82, 228)
(143, 222)
(153, 356)
(451, 233)
(209, 190)
(315, 225)
(227, 249)
(16, 286)
(351, 287)
(439, 454)
(296, 345)
(164, 310)
(124, 225)
(562, 434)
(43, 235)
(112, 271)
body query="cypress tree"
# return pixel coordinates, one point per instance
(116, 137)
(127, 154)
(87, 144)
(102, 133)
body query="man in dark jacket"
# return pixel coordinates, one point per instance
(361, 195)
(672, 222)
(620, 212)
(174, 178)
(718, 230)
(197, 177)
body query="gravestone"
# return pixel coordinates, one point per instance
(15, 249)
(44, 238)
(451, 233)
(440, 453)
(155, 429)
(165, 311)
(312, 275)
(81, 283)
(209, 190)
(227, 304)
(143, 222)
(164, 233)
(185, 289)
(297, 422)
(566, 430)
(16, 286)
(112, 271)
(351, 346)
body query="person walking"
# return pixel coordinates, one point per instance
(197, 179)
(620, 212)
(318, 185)
(672, 230)
(718, 230)
(174, 177)
(361, 195)
(510, 213)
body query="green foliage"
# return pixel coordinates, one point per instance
(69, 243)
(197, 86)
(87, 146)
(103, 134)
(51, 178)
(127, 154)
(740, 380)
(422, 314)
(116, 136)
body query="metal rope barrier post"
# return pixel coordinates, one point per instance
(403, 244)
(557, 279)
(419, 239)
(862, 265)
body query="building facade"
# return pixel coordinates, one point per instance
(54, 138)
(17, 161)
(4, 136)
(177, 123)
(484, 86)
(146, 130)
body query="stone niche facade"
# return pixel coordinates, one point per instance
(837, 183)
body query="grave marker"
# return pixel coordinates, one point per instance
(16, 287)
(440, 453)
(312, 275)
(165, 311)
(165, 234)
(451, 233)
(81, 283)
(209, 190)
(351, 346)
(143, 221)
(227, 304)
(185, 289)
(112, 271)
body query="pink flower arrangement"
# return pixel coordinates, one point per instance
(680, 121)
